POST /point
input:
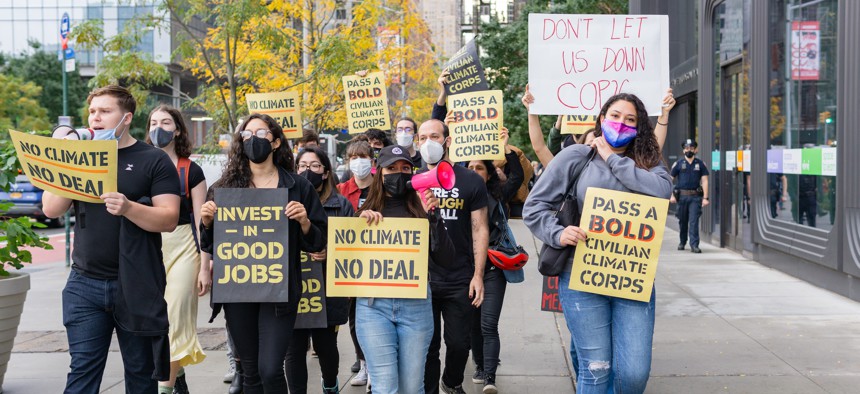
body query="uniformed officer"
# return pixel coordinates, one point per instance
(691, 193)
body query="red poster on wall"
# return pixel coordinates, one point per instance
(805, 50)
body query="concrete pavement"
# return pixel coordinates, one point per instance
(725, 324)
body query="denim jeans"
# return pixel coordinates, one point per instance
(689, 212)
(395, 335)
(613, 338)
(89, 320)
(485, 324)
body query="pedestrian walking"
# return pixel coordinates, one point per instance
(612, 336)
(691, 194)
(395, 333)
(180, 248)
(314, 165)
(259, 158)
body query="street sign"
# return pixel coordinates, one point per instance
(69, 53)
(70, 65)
(65, 25)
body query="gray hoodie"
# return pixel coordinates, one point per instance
(617, 173)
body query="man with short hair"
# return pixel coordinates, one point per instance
(117, 279)
(310, 139)
(691, 194)
(404, 135)
(458, 289)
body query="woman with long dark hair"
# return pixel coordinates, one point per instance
(314, 165)
(182, 257)
(259, 158)
(395, 333)
(612, 335)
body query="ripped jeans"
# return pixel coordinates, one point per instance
(613, 339)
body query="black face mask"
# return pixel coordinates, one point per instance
(689, 154)
(314, 178)
(160, 137)
(257, 149)
(395, 184)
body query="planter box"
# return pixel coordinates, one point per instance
(13, 292)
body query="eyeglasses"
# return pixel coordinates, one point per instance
(259, 133)
(403, 130)
(315, 166)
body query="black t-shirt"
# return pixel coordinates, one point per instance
(363, 196)
(142, 171)
(456, 206)
(186, 209)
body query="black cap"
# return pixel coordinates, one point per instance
(392, 154)
(690, 143)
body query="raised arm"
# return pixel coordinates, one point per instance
(662, 126)
(535, 132)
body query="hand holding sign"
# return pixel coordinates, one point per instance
(207, 213)
(668, 102)
(571, 235)
(373, 218)
(528, 98)
(296, 211)
(116, 203)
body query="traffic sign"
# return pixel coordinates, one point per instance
(69, 53)
(65, 25)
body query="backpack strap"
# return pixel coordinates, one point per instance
(183, 166)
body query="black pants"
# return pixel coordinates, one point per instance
(358, 353)
(455, 307)
(325, 344)
(485, 322)
(261, 340)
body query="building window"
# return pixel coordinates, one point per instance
(801, 158)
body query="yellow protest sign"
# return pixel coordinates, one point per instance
(619, 258)
(80, 170)
(478, 118)
(282, 106)
(366, 102)
(388, 260)
(577, 124)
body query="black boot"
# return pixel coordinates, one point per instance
(236, 384)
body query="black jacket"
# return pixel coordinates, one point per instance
(337, 308)
(301, 190)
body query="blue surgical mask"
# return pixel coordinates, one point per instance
(109, 134)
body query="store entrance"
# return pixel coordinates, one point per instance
(734, 175)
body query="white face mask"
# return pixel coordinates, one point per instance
(404, 140)
(432, 151)
(109, 134)
(360, 167)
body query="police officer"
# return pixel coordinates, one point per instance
(691, 193)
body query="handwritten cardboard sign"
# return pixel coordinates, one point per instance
(80, 170)
(577, 124)
(549, 301)
(576, 62)
(465, 73)
(478, 118)
(388, 260)
(625, 231)
(366, 103)
(312, 306)
(251, 255)
(284, 107)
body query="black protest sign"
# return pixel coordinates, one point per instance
(465, 73)
(549, 301)
(312, 308)
(251, 259)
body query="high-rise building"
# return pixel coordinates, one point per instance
(443, 20)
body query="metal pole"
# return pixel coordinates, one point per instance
(66, 216)
(402, 67)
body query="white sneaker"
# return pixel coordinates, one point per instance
(360, 378)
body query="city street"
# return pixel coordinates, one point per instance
(725, 324)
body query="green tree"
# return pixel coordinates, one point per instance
(45, 70)
(19, 106)
(506, 57)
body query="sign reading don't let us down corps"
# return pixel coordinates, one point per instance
(576, 62)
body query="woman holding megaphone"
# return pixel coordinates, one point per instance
(395, 333)
(259, 158)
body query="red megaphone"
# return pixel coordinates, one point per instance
(441, 176)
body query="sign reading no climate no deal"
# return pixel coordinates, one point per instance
(577, 124)
(282, 106)
(366, 102)
(619, 258)
(478, 118)
(79, 170)
(251, 258)
(577, 62)
(388, 260)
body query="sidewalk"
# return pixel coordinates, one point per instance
(725, 324)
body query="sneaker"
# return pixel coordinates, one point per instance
(231, 373)
(490, 385)
(356, 367)
(330, 390)
(180, 387)
(360, 378)
(451, 390)
(478, 377)
(695, 249)
(369, 388)
(681, 247)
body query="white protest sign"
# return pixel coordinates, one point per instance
(576, 62)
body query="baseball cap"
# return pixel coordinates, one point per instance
(392, 154)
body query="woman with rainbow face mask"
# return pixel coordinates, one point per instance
(612, 336)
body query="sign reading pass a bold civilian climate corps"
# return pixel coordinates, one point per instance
(388, 260)
(576, 62)
(478, 118)
(366, 102)
(625, 231)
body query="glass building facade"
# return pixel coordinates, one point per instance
(767, 89)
